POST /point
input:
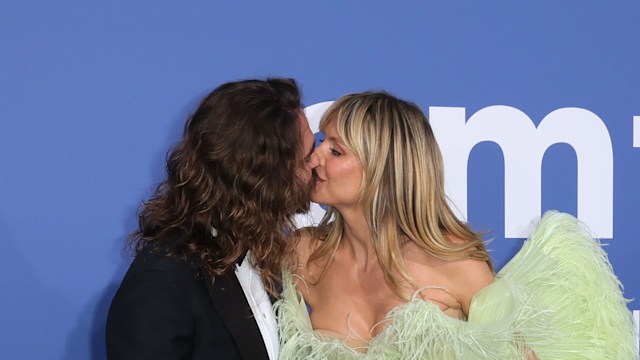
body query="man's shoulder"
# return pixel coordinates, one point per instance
(157, 260)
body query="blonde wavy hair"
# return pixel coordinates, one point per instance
(402, 189)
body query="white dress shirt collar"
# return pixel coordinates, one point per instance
(260, 304)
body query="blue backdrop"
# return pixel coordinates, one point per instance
(93, 95)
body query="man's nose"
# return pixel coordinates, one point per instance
(314, 160)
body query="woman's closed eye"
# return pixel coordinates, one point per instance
(335, 152)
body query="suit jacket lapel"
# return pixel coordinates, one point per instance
(228, 298)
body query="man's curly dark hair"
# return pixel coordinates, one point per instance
(234, 170)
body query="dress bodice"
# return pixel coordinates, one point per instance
(558, 297)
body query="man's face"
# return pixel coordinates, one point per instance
(310, 160)
(308, 146)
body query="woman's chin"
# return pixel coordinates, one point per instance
(317, 199)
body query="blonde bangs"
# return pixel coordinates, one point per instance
(403, 186)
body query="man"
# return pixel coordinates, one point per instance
(212, 238)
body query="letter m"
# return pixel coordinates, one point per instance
(523, 147)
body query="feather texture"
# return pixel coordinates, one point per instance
(557, 298)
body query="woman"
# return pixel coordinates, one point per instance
(391, 272)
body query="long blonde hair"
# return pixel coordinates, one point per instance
(402, 189)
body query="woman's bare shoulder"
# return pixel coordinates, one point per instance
(462, 278)
(468, 276)
(303, 271)
(307, 244)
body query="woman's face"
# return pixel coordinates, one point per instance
(339, 172)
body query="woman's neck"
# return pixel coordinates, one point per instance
(356, 239)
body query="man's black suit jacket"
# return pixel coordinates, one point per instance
(167, 308)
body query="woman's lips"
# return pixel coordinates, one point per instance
(317, 178)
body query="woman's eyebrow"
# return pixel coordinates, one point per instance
(334, 139)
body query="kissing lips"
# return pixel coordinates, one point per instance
(316, 178)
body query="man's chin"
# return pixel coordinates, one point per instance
(306, 191)
(303, 209)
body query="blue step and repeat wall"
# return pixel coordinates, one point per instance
(536, 106)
